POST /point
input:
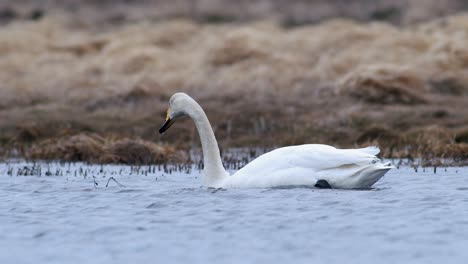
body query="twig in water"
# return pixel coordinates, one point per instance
(118, 183)
(215, 190)
(95, 182)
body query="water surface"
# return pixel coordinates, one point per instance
(161, 217)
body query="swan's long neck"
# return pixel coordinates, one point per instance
(214, 172)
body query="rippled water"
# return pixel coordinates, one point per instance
(157, 217)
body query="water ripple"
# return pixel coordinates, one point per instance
(407, 216)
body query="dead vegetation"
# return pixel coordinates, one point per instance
(95, 149)
(384, 85)
(339, 82)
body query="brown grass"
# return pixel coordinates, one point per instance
(384, 85)
(338, 82)
(95, 149)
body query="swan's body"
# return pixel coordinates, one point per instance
(302, 165)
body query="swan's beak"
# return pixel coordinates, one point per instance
(167, 124)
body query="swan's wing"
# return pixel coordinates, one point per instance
(371, 150)
(304, 164)
(309, 158)
(323, 157)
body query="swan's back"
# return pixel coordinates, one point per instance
(315, 157)
(306, 164)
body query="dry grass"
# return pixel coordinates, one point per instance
(384, 85)
(95, 149)
(338, 82)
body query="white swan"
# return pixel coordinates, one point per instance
(304, 165)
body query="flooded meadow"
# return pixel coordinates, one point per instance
(75, 213)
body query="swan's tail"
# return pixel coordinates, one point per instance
(358, 177)
(371, 174)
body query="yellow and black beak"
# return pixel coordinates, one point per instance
(167, 124)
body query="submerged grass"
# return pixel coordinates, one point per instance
(76, 93)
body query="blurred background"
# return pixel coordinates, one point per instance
(291, 13)
(90, 80)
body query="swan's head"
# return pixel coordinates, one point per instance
(177, 108)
